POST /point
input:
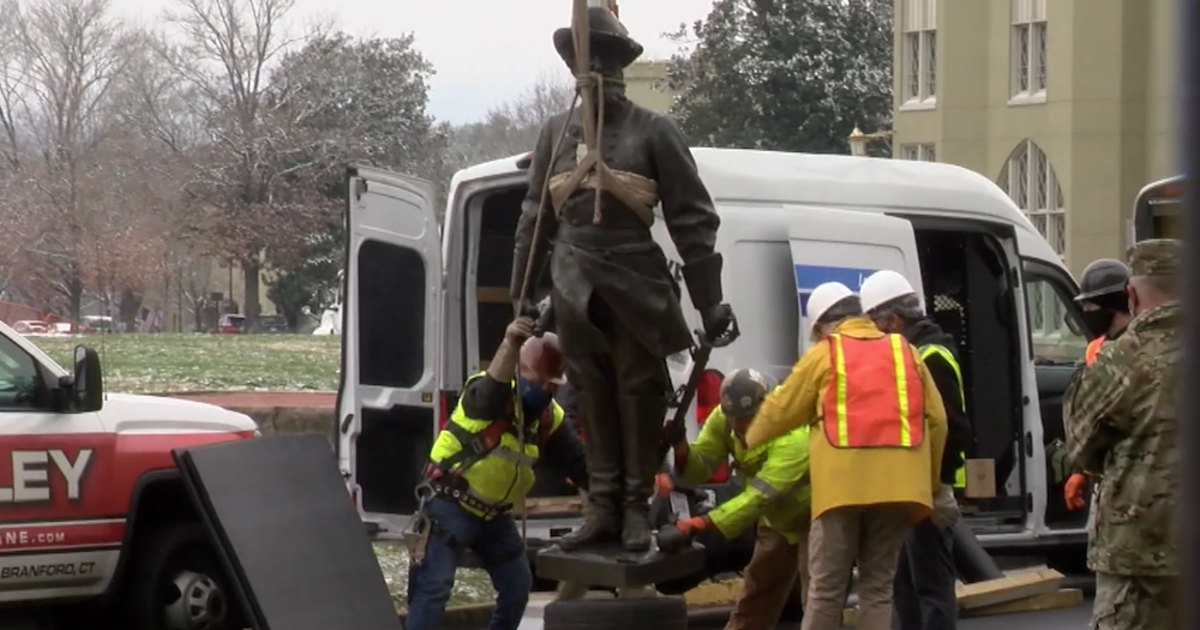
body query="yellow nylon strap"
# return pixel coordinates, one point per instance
(843, 429)
(901, 387)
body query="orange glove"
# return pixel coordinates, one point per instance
(662, 484)
(692, 526)
(1073, 491)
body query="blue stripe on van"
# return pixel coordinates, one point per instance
(809, 277)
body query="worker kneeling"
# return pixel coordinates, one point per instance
(775, 495)
(481, 465)
(875, 452)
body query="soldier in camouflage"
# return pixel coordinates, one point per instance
(1122, 421)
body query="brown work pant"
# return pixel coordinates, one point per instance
(769, 579)
(872, 535)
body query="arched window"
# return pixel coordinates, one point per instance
(1030, 181)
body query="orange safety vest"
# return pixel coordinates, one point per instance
(1092, 350)
(875, 397)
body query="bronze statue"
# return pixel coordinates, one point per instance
(616, 304)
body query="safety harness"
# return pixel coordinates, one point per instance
(445, 477)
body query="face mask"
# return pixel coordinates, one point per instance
(533, 398)
(1097, 322)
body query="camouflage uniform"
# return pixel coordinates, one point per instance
(1122, 422)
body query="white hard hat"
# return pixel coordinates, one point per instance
(883, 287)
(823, 298)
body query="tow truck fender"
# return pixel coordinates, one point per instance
(156, 496)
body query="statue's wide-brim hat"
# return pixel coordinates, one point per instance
(605, 31)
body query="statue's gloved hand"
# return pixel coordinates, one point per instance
(716, 319)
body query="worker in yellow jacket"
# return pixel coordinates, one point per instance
(875, 452)
(775, 495)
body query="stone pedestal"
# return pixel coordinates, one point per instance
(611, 566)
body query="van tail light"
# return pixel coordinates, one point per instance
(708, 397)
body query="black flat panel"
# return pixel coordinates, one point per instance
(290, 537)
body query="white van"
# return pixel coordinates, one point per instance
(425, 308)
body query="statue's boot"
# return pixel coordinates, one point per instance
(641, 429)
(602, 445)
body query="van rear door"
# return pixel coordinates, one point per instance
(847, 246)
(387, 400)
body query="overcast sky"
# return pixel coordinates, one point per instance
(485, 51)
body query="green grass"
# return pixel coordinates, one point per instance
(144, 363)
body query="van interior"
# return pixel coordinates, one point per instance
(969, 292)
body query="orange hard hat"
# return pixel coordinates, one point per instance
(543, 356)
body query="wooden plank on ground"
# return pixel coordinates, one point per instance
(713, 594)
(1024, 590)
(553, 505)
(1063, 598)
(1013, 586)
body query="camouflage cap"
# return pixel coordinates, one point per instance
(1155, 257)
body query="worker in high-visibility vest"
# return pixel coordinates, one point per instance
(774, 499)
(1106, 315)
(924, 596)
(481, 465)
(875, 452)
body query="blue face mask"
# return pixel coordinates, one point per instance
(533, 398)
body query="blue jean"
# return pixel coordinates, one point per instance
(496, 543)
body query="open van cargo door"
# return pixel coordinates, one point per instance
(846, 246)
(388, 399)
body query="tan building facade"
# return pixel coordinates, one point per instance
(1070, 106)
(646, 85)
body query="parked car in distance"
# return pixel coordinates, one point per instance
(99, 323)
(273, 324)
(30, 327)
(231, 325)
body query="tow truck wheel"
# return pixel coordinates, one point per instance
(176, 583)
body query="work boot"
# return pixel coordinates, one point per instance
(641, 432)
(602, 445)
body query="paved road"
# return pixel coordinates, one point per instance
(1065, 619)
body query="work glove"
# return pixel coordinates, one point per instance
(663, 484)
(691, 526)
(678, 536)
(716, 319)
(1073, 491)
(504, 365)
(945, 507)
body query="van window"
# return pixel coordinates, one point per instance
(1055, 326)
(391, 315)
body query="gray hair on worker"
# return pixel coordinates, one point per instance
(906, 307)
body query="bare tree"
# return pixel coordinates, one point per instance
(227, 50)
(71, 53)
(512, 128)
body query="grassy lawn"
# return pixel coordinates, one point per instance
(144, 363)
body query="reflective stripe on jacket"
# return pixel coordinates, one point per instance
(506, 473)
(960, 475)
(774, 478)
(875, 398)
(1093, 348)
